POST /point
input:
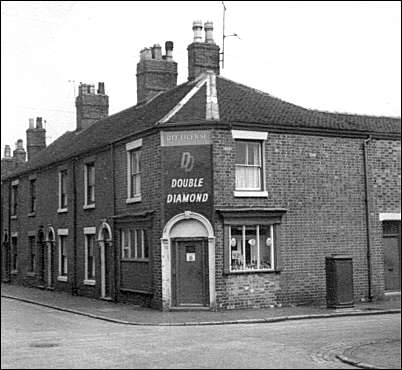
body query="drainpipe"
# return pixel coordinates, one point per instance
(116, 284)
(366, 199)
(74, 285)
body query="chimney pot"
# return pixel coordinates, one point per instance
(209, 28)
(169, 50)
(20, 144)
(145, 54)
(38, 122)
(31, 123)
(101, 88)
(197, 28)
(7, 151)
(156, 52)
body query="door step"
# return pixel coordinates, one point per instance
(190, 308)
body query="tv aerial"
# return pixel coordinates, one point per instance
(224, 36)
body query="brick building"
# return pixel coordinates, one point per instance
(206, 194)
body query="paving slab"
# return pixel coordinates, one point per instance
(126, 313)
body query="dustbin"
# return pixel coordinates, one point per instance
(339, 273)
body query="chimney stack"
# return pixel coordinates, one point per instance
(36, 137)
(91, 106)
(202, 56)
(155, 73)
(19, 153)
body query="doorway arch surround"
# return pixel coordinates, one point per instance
(200, 223)
(105, 242)
(50, 239)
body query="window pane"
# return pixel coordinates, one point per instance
(266, 244)
(90, 257)
(252, 177)
(146, 246)
(236, 249)
(251, 252)
(125, 242)
(139, 243)
(241, 148)
(253, 153)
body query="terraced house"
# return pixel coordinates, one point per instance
(209, 194)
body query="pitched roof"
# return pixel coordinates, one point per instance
(194, 101)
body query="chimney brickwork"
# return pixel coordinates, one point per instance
(91, 106)
(202, 56)
(36, 137)
(155, 73)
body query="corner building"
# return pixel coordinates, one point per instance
(210, 194)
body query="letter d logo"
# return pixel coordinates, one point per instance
(187, 161)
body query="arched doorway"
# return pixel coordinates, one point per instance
(188, 262)
(105, 243)
(50, 242)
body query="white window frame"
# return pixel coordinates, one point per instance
(123, 234)
(243, 246)
(142, 246)
(133, 145)
(62, 233)
(90, 205)
(89, 231)
(60, 209)
(395, 216)
(260, 136)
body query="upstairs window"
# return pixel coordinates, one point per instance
(248, 165)
(135, 173)
(63, 190)
(89, 173)
(32, 196)
(134, 167)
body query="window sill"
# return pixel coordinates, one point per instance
(133, 200)
(14, 272)
(62, 210)
(89, 282)
(250, 194)
(32, 214)
(62, 278)
(135, 260)
(31, 274)
(89, 206)
(277, 271)
(14, 217)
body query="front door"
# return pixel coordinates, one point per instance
(190, 272)
(392, 255)
(105, 269)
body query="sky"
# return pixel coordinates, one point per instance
(332, 56)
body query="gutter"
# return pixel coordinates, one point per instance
(367, 206)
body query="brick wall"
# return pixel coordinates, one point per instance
(320, 181)
(150, 191)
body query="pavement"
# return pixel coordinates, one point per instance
(364, 356)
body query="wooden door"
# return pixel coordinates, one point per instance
(392, 255)
(189, 270)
